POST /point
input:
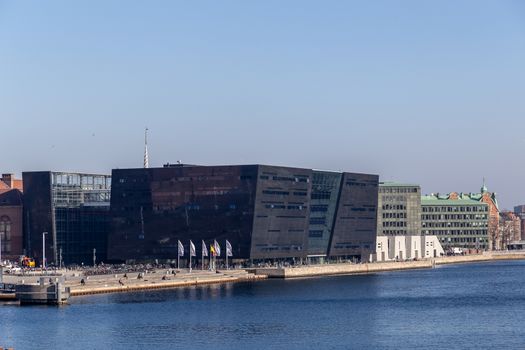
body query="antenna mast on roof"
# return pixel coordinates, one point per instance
(146, 158)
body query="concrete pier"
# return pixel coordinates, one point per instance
(340, 269)
(50, 293)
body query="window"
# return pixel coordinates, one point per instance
(317, 221)
(281, 193)
(321, 195)
(315, 233)
(319, 208)
(5, 234)
(297, 193)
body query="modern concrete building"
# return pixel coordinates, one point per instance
(265, 212)
(397, 248)
(399, 210)
(458, 220)
(73, 209)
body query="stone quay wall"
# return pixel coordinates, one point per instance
(348, 268)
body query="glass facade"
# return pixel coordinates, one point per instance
(355, 223)
(73, 209)
(323, 206)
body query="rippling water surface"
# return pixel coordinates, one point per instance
(450, 307)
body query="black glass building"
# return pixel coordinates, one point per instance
(266, 212)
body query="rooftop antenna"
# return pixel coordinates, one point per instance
(146, 158)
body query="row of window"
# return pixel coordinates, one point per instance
(285, 193)
(455, 232)
(319, 208)
(321, 195)
(455, 224)
(448, 209)
(279, 193)
(285, 178)
(266, 248)
(317, 221)
(394, 224)
(397, 190)
(401, 199)
(315, 233)
(358, 184)
(394, 232)
(463, 239)
(281, 206)
(435, 217)
(394, 215)
(394, 207)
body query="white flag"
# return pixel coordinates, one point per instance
(192, 249)
(181, 249)
(217, 248)
(229, 251)
(204, 249)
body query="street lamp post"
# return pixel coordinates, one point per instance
(44, 250)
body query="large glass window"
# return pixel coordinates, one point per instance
(5, 234)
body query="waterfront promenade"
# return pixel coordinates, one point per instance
(165, 279)
(348, 269)
(129, 282)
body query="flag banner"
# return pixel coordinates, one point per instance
(192, 249)
(181, 249)
(204, 249)
(212, 250)
(217, 248)
(229, 251)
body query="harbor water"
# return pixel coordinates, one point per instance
(464, 306)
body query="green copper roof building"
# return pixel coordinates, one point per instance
(458, 220)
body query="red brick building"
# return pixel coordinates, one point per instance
(11, 217)
(9, 182)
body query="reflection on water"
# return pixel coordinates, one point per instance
(462, 306)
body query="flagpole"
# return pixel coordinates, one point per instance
(226, 246)
(178, 257)
(190, 256)
(210, 258)
(202, 258)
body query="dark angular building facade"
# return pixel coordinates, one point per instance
(266, 212)
(73, 209)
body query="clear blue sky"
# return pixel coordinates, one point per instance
(416, 91)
